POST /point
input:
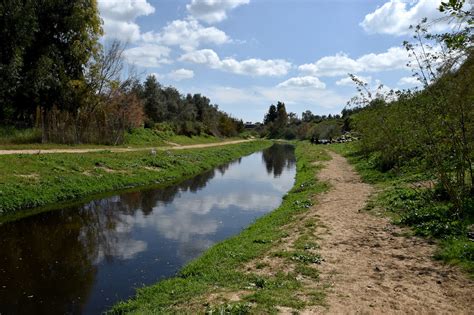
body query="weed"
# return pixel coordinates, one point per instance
(307, 271)
(306, 258)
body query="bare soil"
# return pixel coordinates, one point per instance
(370, 265)
(173, 146)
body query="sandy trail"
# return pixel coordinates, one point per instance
(173, 146)
(370, 267)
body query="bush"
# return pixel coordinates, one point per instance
(105, 123)
(12, 135)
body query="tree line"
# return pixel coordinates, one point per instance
(56, 76)
(432, 128)
(277, 123)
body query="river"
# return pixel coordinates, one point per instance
(84, 258)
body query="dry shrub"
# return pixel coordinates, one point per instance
(104, 123)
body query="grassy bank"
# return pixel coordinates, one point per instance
(17, 139)
(28, 181)
(413, 198)
(242, 263)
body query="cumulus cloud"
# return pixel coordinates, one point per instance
(409, 81)
(187, 34)
(303, 82)
(181, 74)
(396, 16)
(212, 11)
(119, 17)
(119, 23)
(254, 67)
(394, 58)
(347, 81)
(148, 55)
(295, 98)
(341, 64)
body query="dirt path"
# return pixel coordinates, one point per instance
(173, 146)
(370, 267)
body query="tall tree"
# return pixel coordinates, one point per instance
(282, 116)
(55, 43)
(153, 100)
(271, 116)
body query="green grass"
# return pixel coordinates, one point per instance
(12, 136)
(28, 181)
(427, 211)
(220, 269)
(16, 139)
(151, 137)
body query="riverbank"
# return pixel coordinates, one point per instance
(372, 266)
(37, 180)
(113, 149)
(319, 252)
(412, 198)
(239, 274)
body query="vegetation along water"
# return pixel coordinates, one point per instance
(348, 188)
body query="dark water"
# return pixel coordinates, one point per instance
(83, 259)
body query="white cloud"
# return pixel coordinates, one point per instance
(394, 58)
(203, 56)
(409, 81)
(314, 99)
(303, 82)
(181, 74)
(347, 81)
(254, 67)
(212, 11)
(119, 17)
(396, 16)
(187, 34)
(148, 55)
(341, 64)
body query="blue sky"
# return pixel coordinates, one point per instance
(247, 54)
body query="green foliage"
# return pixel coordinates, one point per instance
(45, 47)
(230, 308)
(306, 258)
(457, 250)
(11, 135)
(428, 211)
(434, 127)
(220, 267)
(280, 124)
(145, 136)
(307, 271)
(189, 115)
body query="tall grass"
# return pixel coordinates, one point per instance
(12, 135)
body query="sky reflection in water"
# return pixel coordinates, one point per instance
(82, 259)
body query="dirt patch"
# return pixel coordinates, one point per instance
(226, 297)
(370, 267)
(173, 144)
(109, 170)
(153, 169)
(32, 177)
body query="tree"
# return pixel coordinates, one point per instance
(307, 116)
(54, 43)
(271, 116)
(18, 25)
(153, 100)
(282, 117)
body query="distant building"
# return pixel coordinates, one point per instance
(251, 125)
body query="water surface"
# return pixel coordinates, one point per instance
(85, 258)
